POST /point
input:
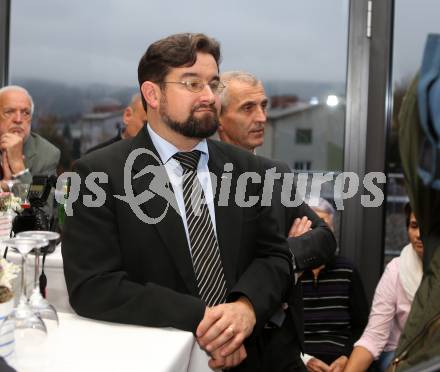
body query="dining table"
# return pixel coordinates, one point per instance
(81, 344)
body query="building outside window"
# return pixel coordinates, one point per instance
(302, 165)
(79, 62)
(82, 61)
(303, 136)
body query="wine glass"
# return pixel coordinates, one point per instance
(22, 314)
(30, 332)
(10, 183)
(22, 319)
(37, 302)
(21, 190)
(7, 200)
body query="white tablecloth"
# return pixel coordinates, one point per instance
(82, 345)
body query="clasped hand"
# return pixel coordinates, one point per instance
(11, 146)
(223, 330)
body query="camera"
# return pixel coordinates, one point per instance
(37, 216)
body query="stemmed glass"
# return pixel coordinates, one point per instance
(37, 302)
(21, 190)
(23, 316)
(11, 183)
(10, 214)
(30, 332)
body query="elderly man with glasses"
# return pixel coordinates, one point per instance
(23, 153)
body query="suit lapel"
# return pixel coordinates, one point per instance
(170, 228)
(228, 218)
(29, 151)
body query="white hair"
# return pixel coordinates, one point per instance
(241, 76)
(10, 88)
(322, 205)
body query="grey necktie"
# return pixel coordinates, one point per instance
(205, 252)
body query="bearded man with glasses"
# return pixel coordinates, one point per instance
(208, 265)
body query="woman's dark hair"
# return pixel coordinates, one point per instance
(179, 50)
(408, 211)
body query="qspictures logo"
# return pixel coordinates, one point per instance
(291, 188)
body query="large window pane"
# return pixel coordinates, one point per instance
(79, 60)
(409, 42)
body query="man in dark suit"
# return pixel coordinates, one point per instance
(119, 268)
(23, 153)
(242, 122)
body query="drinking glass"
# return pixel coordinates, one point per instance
(11, 183)
(21, 190)
(37, 302)
(30, 332)
(22, 314)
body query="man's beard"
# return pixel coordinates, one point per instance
(192, 127)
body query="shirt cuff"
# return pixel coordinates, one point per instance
(16, 175)
(305, 358)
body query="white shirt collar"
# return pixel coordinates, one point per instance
(166, 149)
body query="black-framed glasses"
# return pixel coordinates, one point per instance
(197, 85)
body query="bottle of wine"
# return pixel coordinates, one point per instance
(61, 213)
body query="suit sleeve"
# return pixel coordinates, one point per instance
(313, 248)
(45, 166)
(26, 177)
(98, 284)
(268, 278)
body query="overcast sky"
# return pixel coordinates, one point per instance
(102, 40)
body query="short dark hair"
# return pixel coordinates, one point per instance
(408, 211)
(179, 50)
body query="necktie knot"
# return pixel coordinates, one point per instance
(188, 160)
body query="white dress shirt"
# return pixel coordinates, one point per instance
(174, 170)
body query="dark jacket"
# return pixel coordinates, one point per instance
(105, 143)
(121, 269)
(311, 250)
(425, 203)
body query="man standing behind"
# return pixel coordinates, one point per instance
(220, 272)
(134, 118)
(242, 121)
(24, 153)
(243, 110)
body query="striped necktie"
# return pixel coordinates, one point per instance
(204, 246)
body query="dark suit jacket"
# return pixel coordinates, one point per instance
(105, 143)
(311, 250)
(120, 269)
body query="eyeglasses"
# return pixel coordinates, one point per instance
(10, 112)
(197, 85)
